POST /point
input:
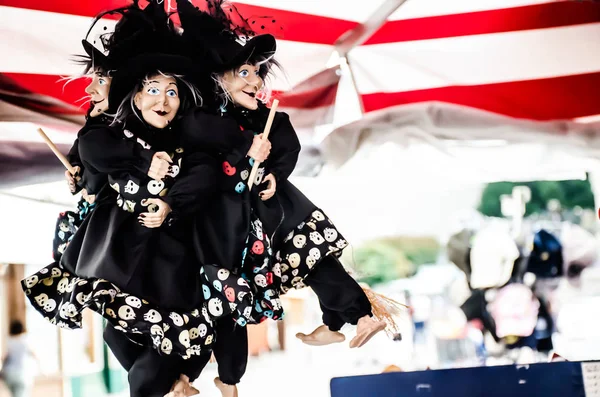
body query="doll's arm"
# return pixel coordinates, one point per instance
(195, 186)
(105, 151)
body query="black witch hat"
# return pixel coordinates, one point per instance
(217, 39)
(145, 43)
(138, 31)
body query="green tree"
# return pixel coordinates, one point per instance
(570, 194)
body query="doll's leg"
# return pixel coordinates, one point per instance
(231, 353)
(153, 375)
(125, 350)
(342, 301)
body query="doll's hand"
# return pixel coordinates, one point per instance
(155, 219)
(159, 167)
(90, 198)
(271, 188)
(72, 178)
(260, 148)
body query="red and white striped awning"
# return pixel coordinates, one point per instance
(531, 59)
(535, 59)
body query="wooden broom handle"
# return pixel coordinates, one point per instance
(57, 152)
(265, 135)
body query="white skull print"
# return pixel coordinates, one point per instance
(330, 234)
(184, 338)
(157, 330)
(318, 215)
(284, 278)
(311, 225)
(143, 143)
(129, 205)
(67, 310)
(244, 174)
(111, 312)
(260, 280)
(55, 272)
(222, 274)
(153, 316)
(341, 243)
(177, 319)
(127, 133)
(194, 333)
(126, 313)
(247, 312)
(131, 187)
(202, 330)
(209, 340)
(41, 299)
(294, 260)
(62, 285)
(315, 253)
(299, 241)
(155, 187)
(316, 238)
(31, 281)
(133, 301)
(205, 315)
(284, 267)
(50, 305)
(259, 176)
(277, 269)
(215, 307)
(310, 261)
(166, 346)
(173, 171)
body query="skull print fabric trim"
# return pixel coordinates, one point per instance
(304, 247)
(61, 297)
(257, 269)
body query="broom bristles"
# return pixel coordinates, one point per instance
(385, 309)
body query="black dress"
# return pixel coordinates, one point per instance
(297, 234)
(143, 281)
(69, 221)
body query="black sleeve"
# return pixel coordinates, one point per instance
(105, 151)
(196, 184)
(285, 148)
(215, 134)
(73, 155)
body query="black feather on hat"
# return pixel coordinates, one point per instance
(138, 31)
(215, 38)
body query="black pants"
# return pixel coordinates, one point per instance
(150, 374)
(231, 351)
(342, 300)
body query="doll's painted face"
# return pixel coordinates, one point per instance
(98, 91)
(158, 100)
(243, 84)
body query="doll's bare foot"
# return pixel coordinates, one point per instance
(321, 336)
(366, 328)
(226, 390)
(183, 388)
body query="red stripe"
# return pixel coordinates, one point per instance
(564, 97)
(288, 25)
(539, 16)
(319, 97)
(83, 8)
(50, 85)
